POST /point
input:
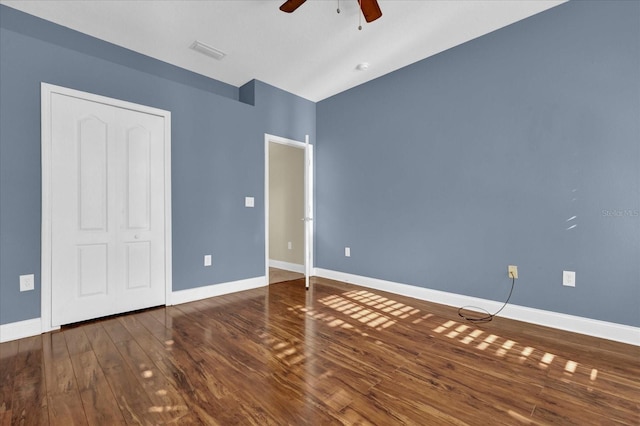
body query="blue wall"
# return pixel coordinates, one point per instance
(520, 147)
(217, 151)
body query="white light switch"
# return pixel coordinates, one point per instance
(569, 278)
(27, 282)
(347, 251)
(290, 245)
(207, 260)
(249, 202)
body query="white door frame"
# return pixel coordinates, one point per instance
(308, 188)
(47, 90)
(308, 211)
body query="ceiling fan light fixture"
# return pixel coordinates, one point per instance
(205, 49)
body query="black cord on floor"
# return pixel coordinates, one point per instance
(489, 316)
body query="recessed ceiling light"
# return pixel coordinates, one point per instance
(205, 49)
(363, 66)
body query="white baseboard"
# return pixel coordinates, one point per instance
(591, 327)
(293, 267)
(20, 329)
(199, 293)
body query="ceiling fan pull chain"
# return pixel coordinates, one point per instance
(360, 15)
(338, 6)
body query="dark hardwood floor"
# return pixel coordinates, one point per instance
(280, 275)
(337, 354)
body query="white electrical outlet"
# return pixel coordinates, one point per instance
(512, 271)
(569, 278)
(27, 282)
(290, 245)
(347, 252)
(249, 202)
(207, 260)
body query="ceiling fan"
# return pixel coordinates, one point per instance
(370, 8)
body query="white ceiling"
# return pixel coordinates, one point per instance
(312, 52)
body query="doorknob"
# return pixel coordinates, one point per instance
(137, 237)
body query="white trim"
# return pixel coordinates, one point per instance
(308, 210)
(591, 327)
(296, 144)
(45, 250)
(287, 266)
(46, 90)
(168, 221)
(20, 329)
(199, 293)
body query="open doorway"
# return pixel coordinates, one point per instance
(287, 209)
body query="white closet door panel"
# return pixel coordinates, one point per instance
(138, 265)
(92, 173)
(107, 210)
(141, 228)
(138, 177)
(92, 276)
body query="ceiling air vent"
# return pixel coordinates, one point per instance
(205, 49)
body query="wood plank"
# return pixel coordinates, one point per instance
(161, 393)
(5, 417)
(57, 364)
(205, 398)
(66, 409)
(99, 402)
(29, 404)
(8, 360)
(77, 341)
(171, 359)
(133, 401)
(378, 408)
(65, 405)
(117, 332)
(570, 402)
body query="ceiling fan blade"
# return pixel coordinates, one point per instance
(291, 5)
(370, 10)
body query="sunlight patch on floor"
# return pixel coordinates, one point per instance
(367, 308)
(570, 367)
(167, 408)
(546, 360)
(466, 334)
